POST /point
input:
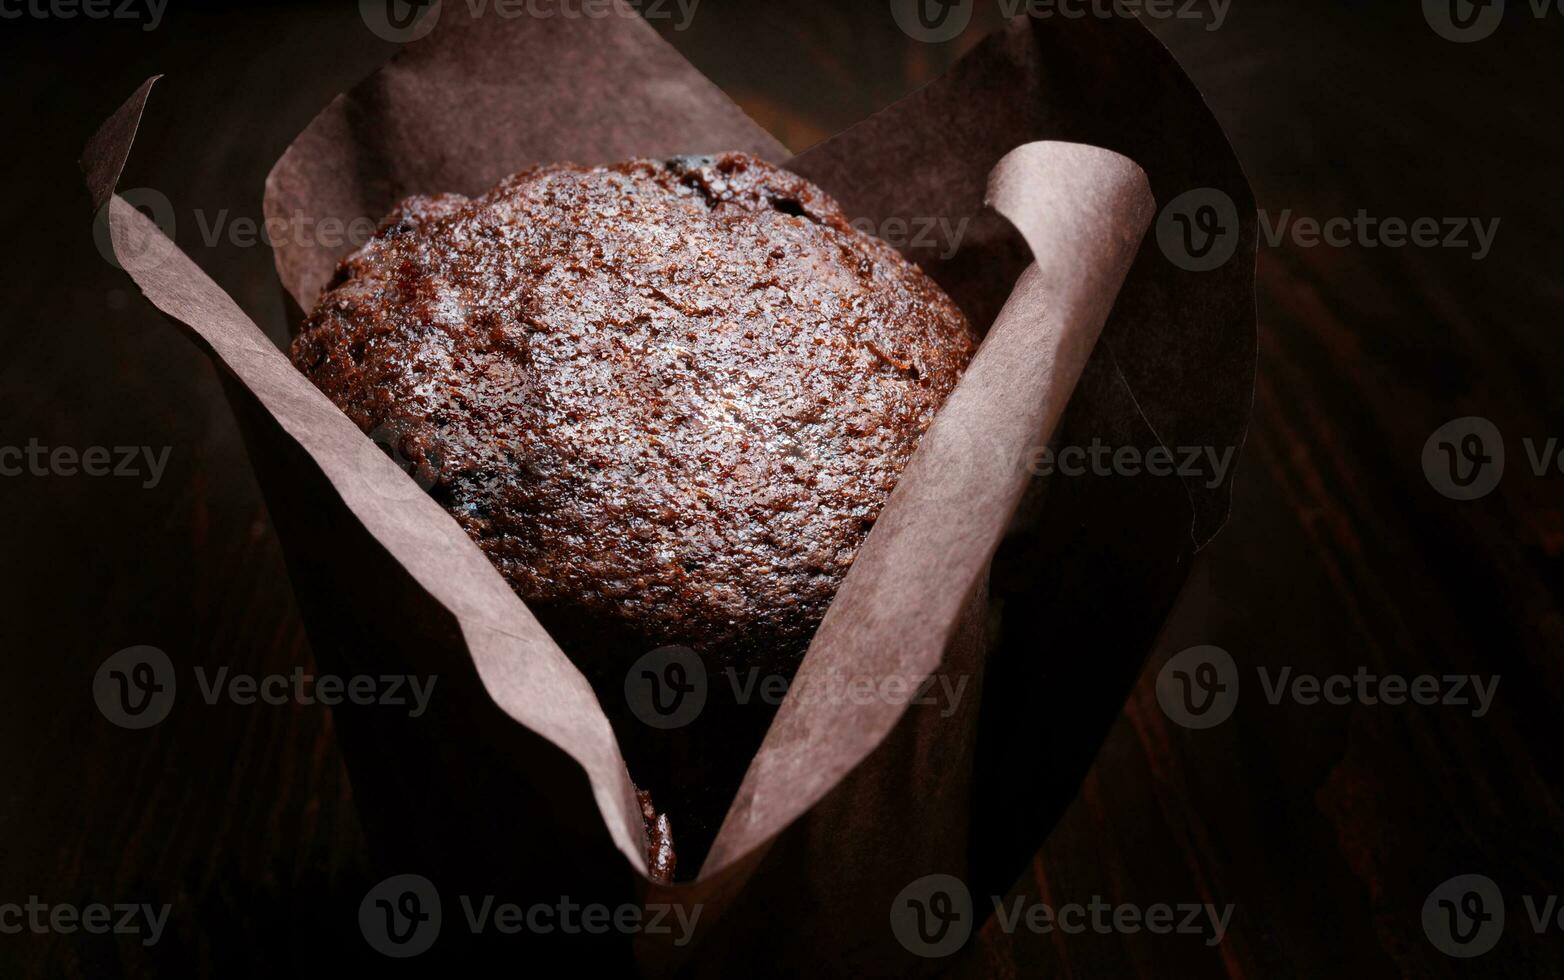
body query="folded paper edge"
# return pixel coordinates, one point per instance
(1202, 530)
(1202, 535)
(1022, 188)
(765, 145)
(103, 159)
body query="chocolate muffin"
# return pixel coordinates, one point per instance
(667, 399)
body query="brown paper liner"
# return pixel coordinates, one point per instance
(1042, 599)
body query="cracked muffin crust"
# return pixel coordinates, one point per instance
(667, 399)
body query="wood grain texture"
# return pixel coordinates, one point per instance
(1326, 827)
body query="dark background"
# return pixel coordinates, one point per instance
(1327, 827)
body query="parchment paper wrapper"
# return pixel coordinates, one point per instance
(1055, 137)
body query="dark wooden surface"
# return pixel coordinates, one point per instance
(1326, 827)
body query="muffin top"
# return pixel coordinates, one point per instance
(670, 397)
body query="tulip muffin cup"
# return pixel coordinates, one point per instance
(995, 618)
